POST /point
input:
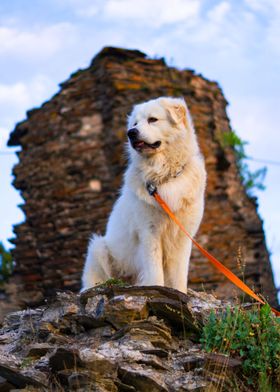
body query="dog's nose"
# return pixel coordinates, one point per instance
(133, 133)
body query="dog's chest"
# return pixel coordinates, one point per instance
(173, 193)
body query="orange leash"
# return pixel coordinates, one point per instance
(224, 270)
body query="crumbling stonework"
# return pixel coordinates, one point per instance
(71, 166)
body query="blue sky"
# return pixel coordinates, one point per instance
(233, 42)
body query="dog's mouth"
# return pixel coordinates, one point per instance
(140, 145)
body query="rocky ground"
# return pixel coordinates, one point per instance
(113, 338)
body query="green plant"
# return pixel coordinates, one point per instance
(114, 282)
(252, 335)
(6, 263)
(250, 180)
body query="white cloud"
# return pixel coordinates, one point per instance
(23, 94)
(155, 13)
(273, 35)
(85, 8)
(40, 42)
(254, 118)
(145, 12)
(227, 27)
(16, 98)
(89, 11)
(268, 10)
(264, 6)
(14, 94)
(218, 13)
(208, 29)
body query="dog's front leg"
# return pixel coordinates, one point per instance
(176, 270)
(149, 260)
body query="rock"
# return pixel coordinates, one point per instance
(17, 378)
(38, 350)
(193, 362)
(133, 339)
(64, 358)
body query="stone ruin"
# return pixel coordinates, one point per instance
(71, 164)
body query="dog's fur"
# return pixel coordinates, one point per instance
(141, 242)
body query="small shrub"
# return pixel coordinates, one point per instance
(252, 335)
(250, 180)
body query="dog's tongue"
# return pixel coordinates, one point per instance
(140, 144)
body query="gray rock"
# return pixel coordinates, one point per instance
(112, 339)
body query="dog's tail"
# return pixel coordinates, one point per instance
(97, 267)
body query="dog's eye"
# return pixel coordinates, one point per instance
(152, 120)
(135, 124)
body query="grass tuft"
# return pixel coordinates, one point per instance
(114, 282)
(252, 335)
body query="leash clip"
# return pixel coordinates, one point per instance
(151, 188)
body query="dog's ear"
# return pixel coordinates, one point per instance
(177, 110)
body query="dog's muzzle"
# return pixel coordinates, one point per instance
(133, 134)
(137, 143)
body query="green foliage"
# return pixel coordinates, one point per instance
(252, 335)
(250, 180)
(26, 362)
(6, 263)
(114, 282)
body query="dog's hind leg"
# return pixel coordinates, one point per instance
(97, 268)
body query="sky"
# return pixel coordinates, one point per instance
(236, 43)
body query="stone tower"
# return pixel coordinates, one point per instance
(71, 167)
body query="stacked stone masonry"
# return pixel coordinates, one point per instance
(71, 164)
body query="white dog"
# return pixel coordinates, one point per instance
(141, 243)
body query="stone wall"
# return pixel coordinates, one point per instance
(71, 167)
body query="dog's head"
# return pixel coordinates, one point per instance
(156, 124)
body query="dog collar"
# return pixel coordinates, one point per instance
(152, 187)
